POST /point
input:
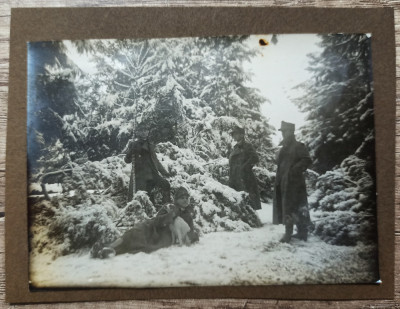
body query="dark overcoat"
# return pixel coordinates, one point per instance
(290, 192)
(241, 177)
(147, 166)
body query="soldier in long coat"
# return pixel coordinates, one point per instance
(147, 170)
(241, 161)
(290, 204)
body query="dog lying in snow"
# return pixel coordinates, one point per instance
(147, 236)
(179, 231)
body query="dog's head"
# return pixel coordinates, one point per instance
(167, 219)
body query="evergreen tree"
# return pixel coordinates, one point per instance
(340, 134)
(51, 96)
(220, 87)
(189, 91)
(166, 87)
(339, 101)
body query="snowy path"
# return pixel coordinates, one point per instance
(224, 258)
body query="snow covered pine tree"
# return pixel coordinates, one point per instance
(340, 135)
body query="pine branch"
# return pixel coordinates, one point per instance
(122, 85)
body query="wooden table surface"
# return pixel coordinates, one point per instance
(5, 8)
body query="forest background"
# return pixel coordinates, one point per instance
(187, 94)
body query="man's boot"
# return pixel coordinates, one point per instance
(301, 235)
(106, 252)
(288, 230)
(302, 232)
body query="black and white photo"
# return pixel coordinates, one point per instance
(202, 161)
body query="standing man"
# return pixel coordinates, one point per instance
(241, 161)
(290, 196)
(147, 170)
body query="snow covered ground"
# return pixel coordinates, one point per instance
(255, 257)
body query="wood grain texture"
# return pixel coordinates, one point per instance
(5, 9)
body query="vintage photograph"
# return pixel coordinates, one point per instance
(204, 161)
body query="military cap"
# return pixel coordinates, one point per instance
(287, 126)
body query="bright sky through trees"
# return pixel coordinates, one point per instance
(277, 70)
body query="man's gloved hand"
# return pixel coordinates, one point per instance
(303, 211)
